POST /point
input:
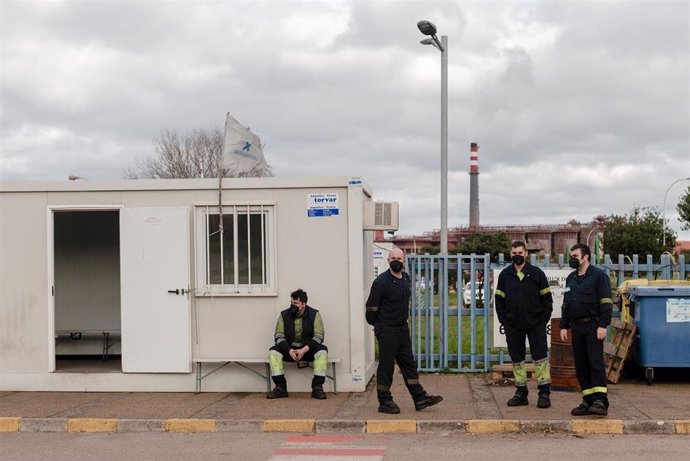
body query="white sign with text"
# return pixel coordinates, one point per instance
(556, 278)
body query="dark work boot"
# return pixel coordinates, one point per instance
(544, 396)
(598, 408)
(581, 410)
(317, 381)
(318, 393)
(520, 397)
(277, 393)
(389, 407)
(426, 401)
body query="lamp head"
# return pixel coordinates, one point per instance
(427, 28)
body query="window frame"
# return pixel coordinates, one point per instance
(201, 242)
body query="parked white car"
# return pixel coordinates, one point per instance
(467, 294)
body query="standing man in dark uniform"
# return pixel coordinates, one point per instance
(587, 309)
(298, 337)
(388, 310)
(523, 306)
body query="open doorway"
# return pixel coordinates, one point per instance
(87, 290)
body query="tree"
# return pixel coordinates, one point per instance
(482, 243)
(683, 209)
(195, 154)
(432, 250)
(640, 232)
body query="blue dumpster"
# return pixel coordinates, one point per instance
(662, 317)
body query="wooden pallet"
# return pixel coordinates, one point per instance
(617, 350)
(505, 371)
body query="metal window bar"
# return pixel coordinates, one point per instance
(233, 211)
(249, 250)
(263, 249)
(208, 253)
(235, 249)
(222, 253)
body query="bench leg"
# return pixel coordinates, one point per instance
(268, 377)
(198, 377)
(105, 345)
(335, 386)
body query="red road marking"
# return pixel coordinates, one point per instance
(323, 438)
(331, 451)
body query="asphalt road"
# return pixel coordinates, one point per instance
(280, 446)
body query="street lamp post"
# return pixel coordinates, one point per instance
(429, 29)
(664, 206)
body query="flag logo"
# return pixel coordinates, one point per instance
(242, 152)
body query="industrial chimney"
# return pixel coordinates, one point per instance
(474, 185)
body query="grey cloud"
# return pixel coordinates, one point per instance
(553, 92)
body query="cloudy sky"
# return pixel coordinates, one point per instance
(580, 108)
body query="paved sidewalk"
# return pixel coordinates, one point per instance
(471, 403)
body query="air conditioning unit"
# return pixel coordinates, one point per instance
(381, 216)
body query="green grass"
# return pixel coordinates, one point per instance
(453, 334)
(453, 331)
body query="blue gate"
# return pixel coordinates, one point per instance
(452, 309)
(450, 334)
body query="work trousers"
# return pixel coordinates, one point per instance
(318, 355)
(536, 336)
(395, 347)
(588, 354)
(516, 342)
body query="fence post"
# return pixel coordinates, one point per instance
(665, 267)
(681, 269)
(650, 267)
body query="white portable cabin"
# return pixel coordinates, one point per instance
(140, 266)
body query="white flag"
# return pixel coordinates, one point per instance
(242, 151)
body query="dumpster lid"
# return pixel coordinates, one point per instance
(666, 291)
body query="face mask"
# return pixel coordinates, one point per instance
(294, 310)
(518, 260)
(574, 263)
(396, 266)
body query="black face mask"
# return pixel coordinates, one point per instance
(574, 263)
(396, 266)
(294, 310)
(518, 260)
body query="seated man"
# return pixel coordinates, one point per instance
(299, 338)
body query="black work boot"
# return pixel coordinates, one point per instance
(544, 396)
(277, 393)
(280, 391)
(520, 397)
(426, 401)
(581, 410)
(389, 407)
(318, 393)
(598, 408)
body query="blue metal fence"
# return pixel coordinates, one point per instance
(456, 337)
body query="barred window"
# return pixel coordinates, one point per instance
(239, 258)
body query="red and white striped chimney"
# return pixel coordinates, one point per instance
(474, 185)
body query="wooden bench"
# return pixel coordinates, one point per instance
(63, 335)
(244, 362)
